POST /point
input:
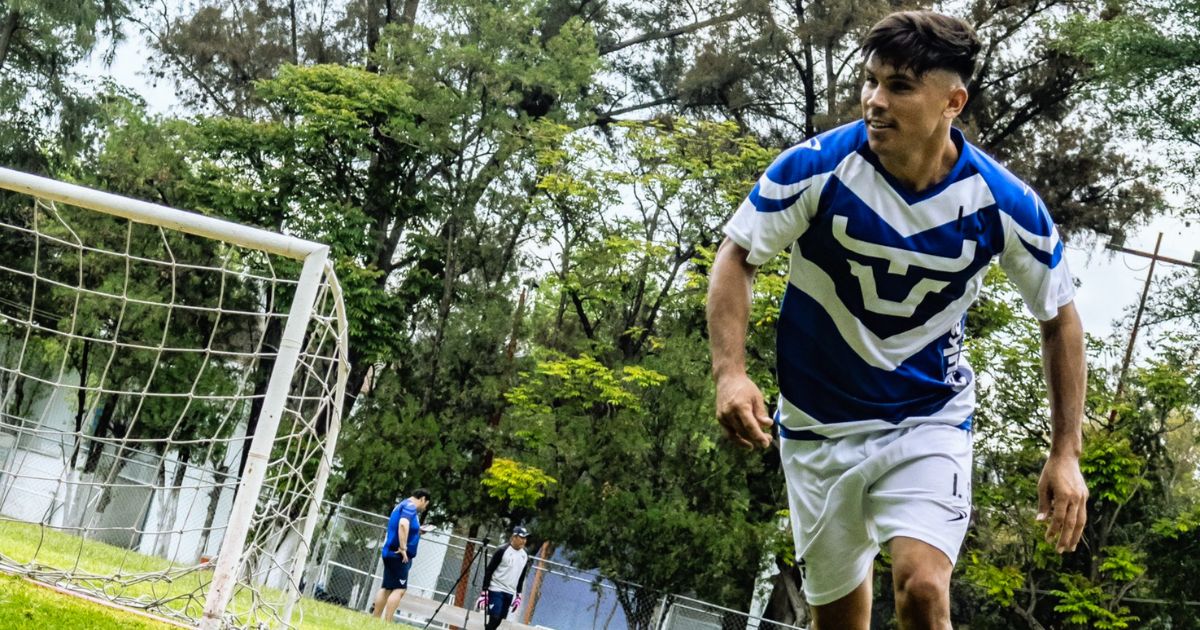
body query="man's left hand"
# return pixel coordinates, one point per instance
(1062, 497)
(516, 603)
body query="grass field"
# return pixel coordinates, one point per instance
(24, 605)
(28, 606)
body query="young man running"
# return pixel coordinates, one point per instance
(893, 221)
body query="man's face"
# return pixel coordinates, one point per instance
(517, 542)
(904, 112)
(423, 504)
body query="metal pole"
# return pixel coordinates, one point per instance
(335, 423)
(232, 547)
(664, 613)
(155, 214)
(1137, 320)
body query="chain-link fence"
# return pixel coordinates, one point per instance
(447, 573)
(345, 567)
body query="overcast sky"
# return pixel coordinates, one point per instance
(1112, 281)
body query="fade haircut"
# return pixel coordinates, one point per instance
(921, 41)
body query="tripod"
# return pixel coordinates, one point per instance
(462, 574)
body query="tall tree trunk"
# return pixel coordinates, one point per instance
(292, 16)
(830, 82)
(356, 381)
(410, 12)
(449, 276)
(787, 604)
(81, 400)
(373, 29)
(96, 448)
(7, 29)
(539, 574)
(375, 26)
(170, 502)
(807, 78)
(220, 478)
(469, 553)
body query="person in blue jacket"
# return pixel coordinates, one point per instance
(399, 548)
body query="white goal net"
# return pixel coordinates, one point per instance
(171, 389)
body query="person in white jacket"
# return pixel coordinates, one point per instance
(504, 579)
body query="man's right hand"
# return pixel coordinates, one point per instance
(742, 411)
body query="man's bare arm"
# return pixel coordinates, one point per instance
(1062, 492)
(740, 406)
(403, 537)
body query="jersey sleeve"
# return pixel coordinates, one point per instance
(408, 511)
(1033, 257)
(783, 202)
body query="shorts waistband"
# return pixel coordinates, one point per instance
(806, 435)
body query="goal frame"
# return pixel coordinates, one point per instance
(316, 264)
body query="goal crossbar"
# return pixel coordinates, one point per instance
(152, 213)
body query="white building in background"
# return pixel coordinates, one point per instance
(147, 504)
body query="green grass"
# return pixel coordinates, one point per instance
(28, 606)
(50, 552)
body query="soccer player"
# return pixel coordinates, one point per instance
(399, 548)
(504, 579)
(892, 222)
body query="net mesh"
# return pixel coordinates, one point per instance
(134, 362)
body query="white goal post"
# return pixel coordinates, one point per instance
(171, 389)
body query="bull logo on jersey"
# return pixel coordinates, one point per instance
(899, 261)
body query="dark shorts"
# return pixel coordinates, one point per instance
(395, 573)
(498, 603)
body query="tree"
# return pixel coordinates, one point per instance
(45, 112)
(617, 405)
(786, 71)
(395, 168)
(1138, 468)
(1143, 54)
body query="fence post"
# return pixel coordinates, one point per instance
(664, 609)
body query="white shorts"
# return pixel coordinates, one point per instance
(849, 495)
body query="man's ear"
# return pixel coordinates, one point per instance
(956, 102)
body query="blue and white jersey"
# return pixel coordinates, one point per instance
(391, 542)
(871, 329)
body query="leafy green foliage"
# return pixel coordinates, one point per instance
(999, 583)
(520, 485)
(1122, 563)
(1142, 53)
(1111, 468)
(46, 107)
(1078, 601)
(1139, 469)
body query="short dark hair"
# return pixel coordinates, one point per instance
(922, 41)
(420, 493)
